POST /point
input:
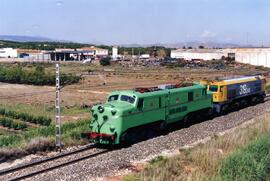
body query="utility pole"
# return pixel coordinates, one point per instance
(58, 143)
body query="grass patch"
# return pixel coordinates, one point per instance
(33, 75)
(42, 120)
(44, 110)
(9, 123)
(267, 88)
(207, 161)
(71, 132)
(4, 132)
(250, 163)
(74, 110)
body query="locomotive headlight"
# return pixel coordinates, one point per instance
(113, 112)
(100, 109)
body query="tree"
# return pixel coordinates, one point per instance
(201, 47)
(161, 53)
(105, 61)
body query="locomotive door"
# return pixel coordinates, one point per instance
(167, 107)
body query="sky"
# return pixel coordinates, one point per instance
(139, 21)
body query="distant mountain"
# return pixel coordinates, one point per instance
(20, 38)
(193, 44)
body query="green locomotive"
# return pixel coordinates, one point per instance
(129, 115)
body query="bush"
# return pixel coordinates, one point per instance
(70, 134)
(267, 88)
(105, 61)
(6, 122)
(45, 121)
(38, 76)
(249, 163)
(35, 145)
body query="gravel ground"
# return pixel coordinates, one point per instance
(110, 163)
(52, 163)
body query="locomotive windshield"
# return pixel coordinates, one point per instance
(113, 98)
(127, 99)
(213, 88)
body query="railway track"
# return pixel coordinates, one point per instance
(42, 166)
(55, 162)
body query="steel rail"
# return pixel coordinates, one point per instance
(61, 155)
(58, 166)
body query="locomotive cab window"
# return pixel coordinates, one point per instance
(113, 98)
(128, 99)
(213, 88)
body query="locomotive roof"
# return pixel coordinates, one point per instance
(158, 92)
(238, 80)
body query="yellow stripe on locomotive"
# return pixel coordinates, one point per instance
(236, 90)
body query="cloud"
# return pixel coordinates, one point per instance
(35, 26)
(208, 34)
(59, 3)
(28, 31)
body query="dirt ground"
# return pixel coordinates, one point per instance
(95, 86)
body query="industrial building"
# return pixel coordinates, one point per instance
(78, 54)
(95, 51)
(30, 54)
(199, 54)
(8, 53)
(253, 56)
(114, 52)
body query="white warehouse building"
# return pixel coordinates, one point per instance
(114, 52)
(253, 56)
(198, 54)
(8, 53)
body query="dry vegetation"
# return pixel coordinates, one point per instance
(210, 161)
(94, 86)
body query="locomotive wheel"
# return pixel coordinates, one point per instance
(163, 126)
(210, 112)
(150, 133)
(129, 138)
(253, 100)
(187, 118)
(235, 106)
(225, 109)
(243, 103)
(260, 99)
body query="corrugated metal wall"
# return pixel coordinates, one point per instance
(256, 56)
(253, 56)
